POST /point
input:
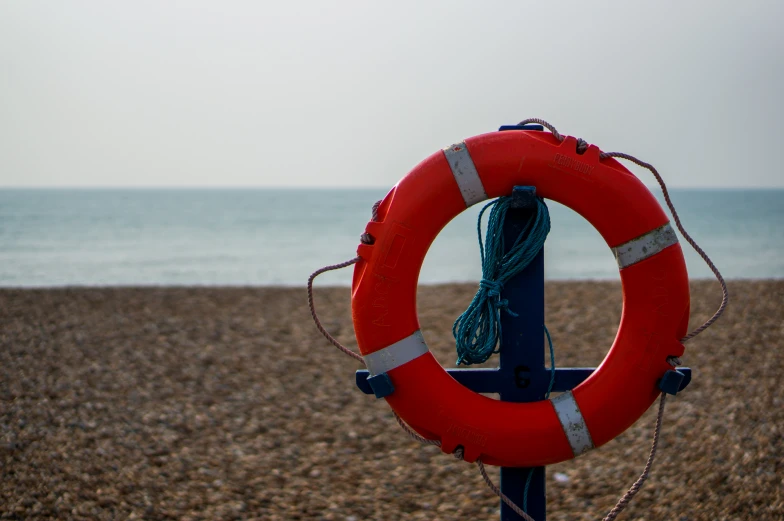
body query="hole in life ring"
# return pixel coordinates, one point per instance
(582, 314)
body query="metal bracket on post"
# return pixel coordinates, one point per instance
(522, 375)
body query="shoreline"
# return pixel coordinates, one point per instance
(697, 280)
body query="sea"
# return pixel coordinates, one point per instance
(260, 237)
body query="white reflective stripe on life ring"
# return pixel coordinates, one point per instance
(465, 173)
(644, 246)
(397, 354)
(573, 423)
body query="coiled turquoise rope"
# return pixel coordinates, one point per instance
(477, 331)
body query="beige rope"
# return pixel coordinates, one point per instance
(365, 238)
(519, 511)
(411, 432)
(638, 484)
(545, 124)
(459, 455)
(333, 340)
(677, 219)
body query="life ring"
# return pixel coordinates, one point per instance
(652, 270)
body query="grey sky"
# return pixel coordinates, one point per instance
(312, 93)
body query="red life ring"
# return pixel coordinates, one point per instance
(655, 298)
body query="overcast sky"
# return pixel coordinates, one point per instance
(314, 93)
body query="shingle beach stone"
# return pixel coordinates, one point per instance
(226, 403)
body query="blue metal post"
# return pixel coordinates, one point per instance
(523, 375)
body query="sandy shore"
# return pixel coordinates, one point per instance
(227, 404)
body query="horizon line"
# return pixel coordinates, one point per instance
(315, 187)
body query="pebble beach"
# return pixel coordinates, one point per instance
(199, 403)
